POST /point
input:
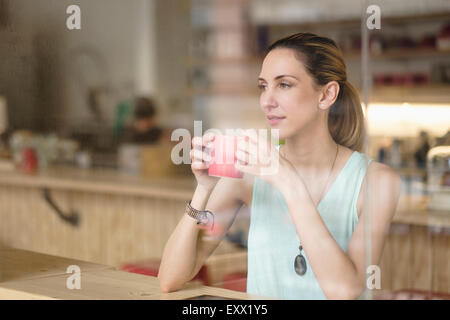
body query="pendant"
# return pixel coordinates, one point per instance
(300, 264)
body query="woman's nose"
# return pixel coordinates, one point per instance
(267, 101)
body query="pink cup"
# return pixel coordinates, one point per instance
(223, 157)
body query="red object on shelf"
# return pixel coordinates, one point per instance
(387, 79)
(399, 79)
(236, 281)
(151, 268)
(428, 42)
(421, 78)
(29, 161)
(443, 38)
(379, 79)
(408, 79)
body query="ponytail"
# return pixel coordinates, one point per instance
(346, 118)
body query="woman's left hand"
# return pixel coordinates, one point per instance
(259, 157)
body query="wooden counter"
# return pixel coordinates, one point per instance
(103, 181)
(122, 217)
(29, 275)
(412, 210)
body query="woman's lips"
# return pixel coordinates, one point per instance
(275, 120)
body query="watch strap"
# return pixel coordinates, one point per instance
(203, 217)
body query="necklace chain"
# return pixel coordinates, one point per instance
(329, 174)
(300, 262)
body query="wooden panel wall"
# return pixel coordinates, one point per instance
(113, 229)
(416, 257)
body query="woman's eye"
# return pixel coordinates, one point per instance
(261, 87)
(285, 85)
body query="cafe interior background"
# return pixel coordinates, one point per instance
(74, 183)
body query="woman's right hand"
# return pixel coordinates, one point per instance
(200, 160)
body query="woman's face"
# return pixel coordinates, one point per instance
(287, 91)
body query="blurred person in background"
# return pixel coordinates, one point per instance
(144, 129)
(421, 153)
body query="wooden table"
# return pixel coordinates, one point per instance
(17, 265)
(30, 275)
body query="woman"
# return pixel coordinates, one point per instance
(307, 230)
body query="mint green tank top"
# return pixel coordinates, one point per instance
(273, 242)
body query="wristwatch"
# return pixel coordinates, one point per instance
(203, 217)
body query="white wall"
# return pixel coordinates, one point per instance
(120, 33)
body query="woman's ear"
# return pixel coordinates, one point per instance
(329, 94)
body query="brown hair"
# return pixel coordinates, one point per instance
(144, 108)
(324, 62)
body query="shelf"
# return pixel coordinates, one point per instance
(436, 93)
(252, 60)
(430, 94)
(401, 54)
(242, 91)
(388, 54)
(357, 22)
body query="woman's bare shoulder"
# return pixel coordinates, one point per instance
(383, 181)
(383, 171)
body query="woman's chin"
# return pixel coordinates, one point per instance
(281, 134)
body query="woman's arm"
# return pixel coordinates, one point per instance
(186, 251)
(341, 275)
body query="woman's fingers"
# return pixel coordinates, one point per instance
(249, 150)
(199, 156)
(203, 144)
(197, 143)
(242, 157)
(254, 153)
(209, 137)
(249, 135)
(199, 165)
(200, 152)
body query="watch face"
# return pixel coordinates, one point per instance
(203, 218)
